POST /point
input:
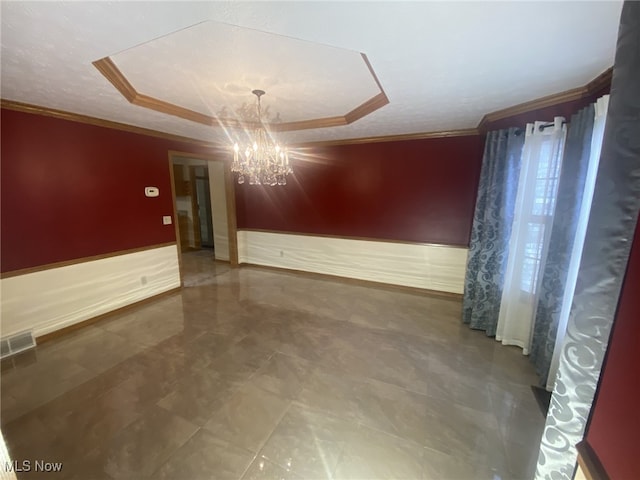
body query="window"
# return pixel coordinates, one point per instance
(539, 216)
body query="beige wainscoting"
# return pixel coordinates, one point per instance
(432, 267)
(55, 298)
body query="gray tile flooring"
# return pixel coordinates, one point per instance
(256, 374)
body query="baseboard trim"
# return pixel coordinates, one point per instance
(590, 463)
(103, 316)
(355, 281)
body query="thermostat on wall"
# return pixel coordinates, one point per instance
(151, 191)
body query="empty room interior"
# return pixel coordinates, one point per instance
(320, 240)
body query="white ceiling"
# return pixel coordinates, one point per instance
(229, 62)
(443, 65)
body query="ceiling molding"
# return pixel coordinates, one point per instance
(114, 75)
(76, 117)
(394, 138)
(594, 86)
(107, 68)
(372, 104)
(366, 108)
(373, 74)
(177, 111)
(601, 81)
(208, 57)
(308, 124)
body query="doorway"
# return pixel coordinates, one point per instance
(204, 213)
(202, 204)
(193, 205)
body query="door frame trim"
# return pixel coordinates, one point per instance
(195, 206)
(230, 201)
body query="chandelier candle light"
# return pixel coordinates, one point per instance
(264, 161)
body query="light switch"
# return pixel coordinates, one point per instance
(166, 220)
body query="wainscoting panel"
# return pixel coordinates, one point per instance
(433, 267)
(55, 298)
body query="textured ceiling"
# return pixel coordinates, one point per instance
(443, 65)
(212, 68)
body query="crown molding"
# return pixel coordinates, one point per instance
(538, 103)
(601, 81)
(116, 78)
(466, 132)
(114, 75)
(371, 105)
(76, 117)
(594, 86)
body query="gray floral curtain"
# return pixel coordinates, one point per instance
(492, 220)
(612, 221)
(567, 212)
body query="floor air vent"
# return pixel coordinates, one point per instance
(16, 343)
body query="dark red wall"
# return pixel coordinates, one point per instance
(614, 428)
(71, 190)
(417, 190)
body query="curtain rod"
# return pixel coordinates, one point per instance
(550, 124)
(520, 131)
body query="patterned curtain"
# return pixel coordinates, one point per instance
(567, 212)
(491, 229)
(533, 217)
(614, 212)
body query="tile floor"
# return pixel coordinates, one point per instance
(255, 374)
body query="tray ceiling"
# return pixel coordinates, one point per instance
(442, 65)
(211, 68)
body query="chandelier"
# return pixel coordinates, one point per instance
(263, 161)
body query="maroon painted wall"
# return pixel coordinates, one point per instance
(414, 190)
(71, 190)
(614, 428)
